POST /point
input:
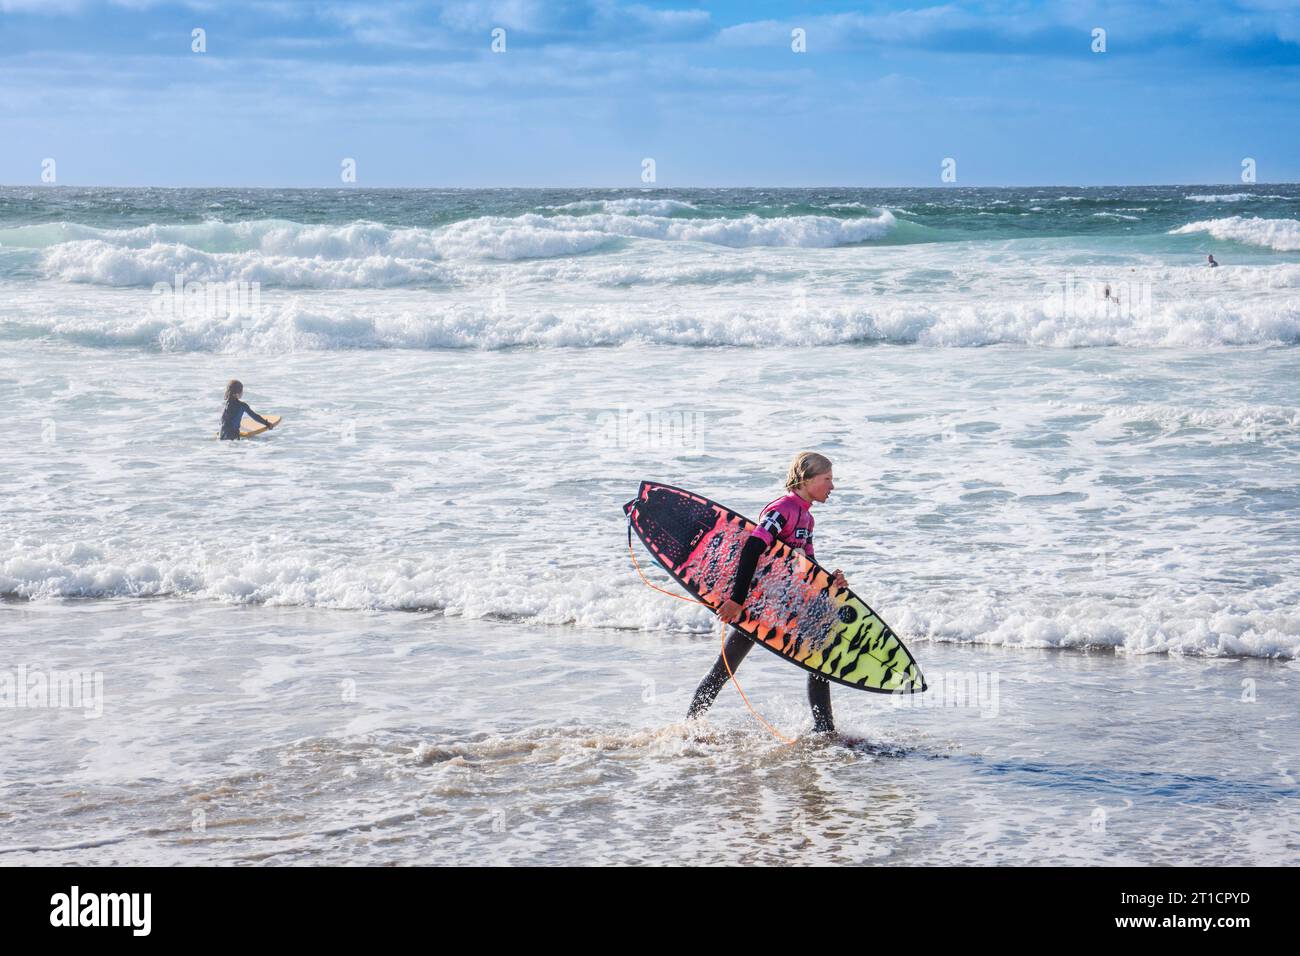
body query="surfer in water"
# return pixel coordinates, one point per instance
(235, 410)
(1212, 264)
(790, 520)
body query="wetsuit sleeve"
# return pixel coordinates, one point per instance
(749, 555)
(253, 415)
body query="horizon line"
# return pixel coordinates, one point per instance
(353, 187)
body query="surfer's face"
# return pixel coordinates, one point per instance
(820, 487)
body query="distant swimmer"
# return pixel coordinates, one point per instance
(235, 410)
(1213, 264)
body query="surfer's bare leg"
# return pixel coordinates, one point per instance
(736, 648)
(819, 697)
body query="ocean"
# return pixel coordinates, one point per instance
(405, 626)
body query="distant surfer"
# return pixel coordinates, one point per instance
(235, 410)
(1212, 263)
(787, 519)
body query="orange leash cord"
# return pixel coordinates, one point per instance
(732, 674)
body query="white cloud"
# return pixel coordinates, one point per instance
(667, 20)
(483, 15)
(55, 7)
(833, 30)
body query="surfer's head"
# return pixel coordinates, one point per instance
(810, 476)
(234, 388)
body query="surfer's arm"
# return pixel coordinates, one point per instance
(256, 417)
(749, 555)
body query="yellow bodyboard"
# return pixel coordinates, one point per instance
(248, 428)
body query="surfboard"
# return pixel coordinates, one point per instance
(248, 428)
(793, 609)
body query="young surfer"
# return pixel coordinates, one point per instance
(235, 410)
(790, 520)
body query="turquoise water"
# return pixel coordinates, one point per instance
(926, 215)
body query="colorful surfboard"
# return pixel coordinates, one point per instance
(793, 609)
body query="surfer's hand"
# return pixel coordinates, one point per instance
(729, 612)
(838, 579)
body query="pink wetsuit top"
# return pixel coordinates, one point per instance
(787, 519)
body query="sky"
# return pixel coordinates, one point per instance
(584, 92)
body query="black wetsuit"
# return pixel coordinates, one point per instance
(738, 644)
(233, 414)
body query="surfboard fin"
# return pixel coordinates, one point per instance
(627, 510)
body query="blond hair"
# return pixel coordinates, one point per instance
(806, 465)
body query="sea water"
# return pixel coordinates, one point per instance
(406, 626)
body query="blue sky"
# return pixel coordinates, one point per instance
(585, 91)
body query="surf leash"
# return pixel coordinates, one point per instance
(732, 674)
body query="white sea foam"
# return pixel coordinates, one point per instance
(102, 263)
(1231, 197)
(972, 512)
(1235, 420)
(485, 324)
(522, 236)
(700, 300)
(631, 206)
(1280, 234)
(1263, 623)
(370, 254)
(1199, 625)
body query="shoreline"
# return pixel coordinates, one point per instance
(236, 712)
